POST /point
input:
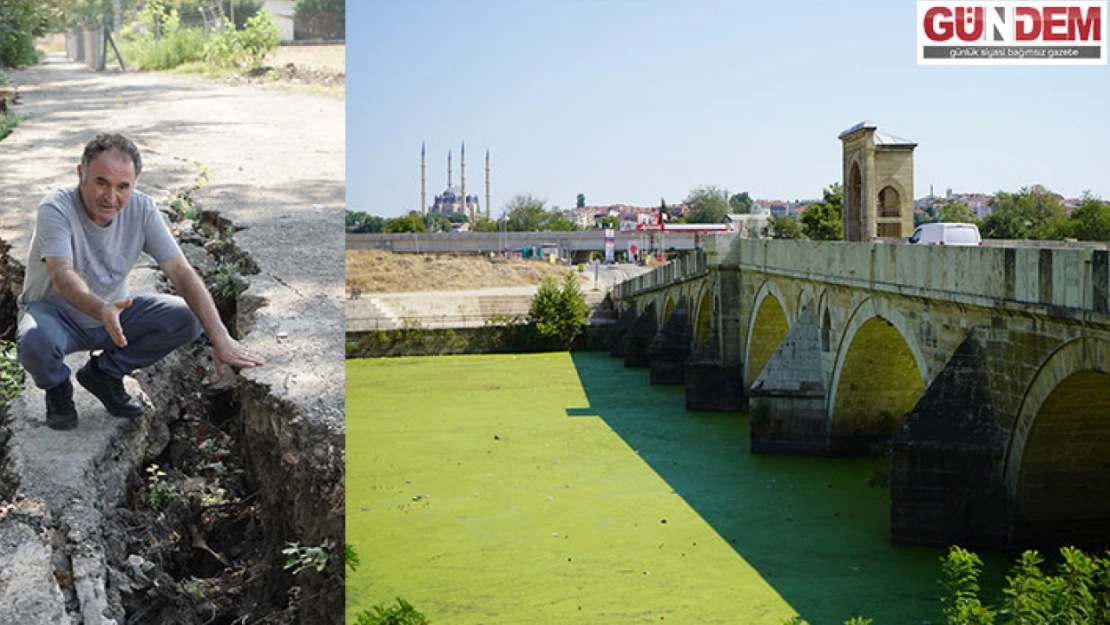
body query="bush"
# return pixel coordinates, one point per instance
(158, 41)
(17, 30)
(8, 122)
(11, 372)
(1078, 593)
(401, 614)
(559, 315)
(247, 48)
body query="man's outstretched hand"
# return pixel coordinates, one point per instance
(232, 353)
(109, 316)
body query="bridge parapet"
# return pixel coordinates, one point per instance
(1048, 279)
(685, 268)
(1053, 280)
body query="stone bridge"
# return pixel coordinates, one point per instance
(982, 369)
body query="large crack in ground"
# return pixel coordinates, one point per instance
(219, 509)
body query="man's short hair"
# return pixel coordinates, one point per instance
(107, 141)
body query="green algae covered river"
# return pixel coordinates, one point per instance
(564, 488)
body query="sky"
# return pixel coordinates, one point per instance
(638, 101)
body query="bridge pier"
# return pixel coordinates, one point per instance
(670, 349)
(620, 329)
(637, 340)
(946, 462)
(713, 385)
(714, 377)
(787, 403)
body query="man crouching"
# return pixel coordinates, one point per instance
(87, 239)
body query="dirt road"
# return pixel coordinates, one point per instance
(273, 164)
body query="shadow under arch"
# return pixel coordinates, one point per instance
(879, 376)
(1057, 463)
(767, 327)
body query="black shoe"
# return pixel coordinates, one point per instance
(61, 414)
(108, 390)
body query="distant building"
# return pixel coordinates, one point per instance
(283, 11)
(454, 200)
(451, 201)
(752, 226)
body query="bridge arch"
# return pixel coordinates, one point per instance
(703, 318)
(1056, 464)
(853, 201)
(668, 308)
(878, 377)
(890, 206)
(767, 327)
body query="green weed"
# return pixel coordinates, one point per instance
(304, 558)
(11, 372)
(160, 490)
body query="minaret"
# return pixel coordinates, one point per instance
(462, 176)
(487, 184)
(448, 169)
(423, 183)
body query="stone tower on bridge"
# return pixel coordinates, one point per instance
(878, 184)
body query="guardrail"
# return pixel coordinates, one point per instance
(379, 323)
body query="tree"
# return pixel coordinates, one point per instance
(956, 211)
(525, 213)
(411, 222)
(1031, 213)
(1004, 224)
(1046, 215)
(822, 220)
(19, 24)
(741, 202)
(558, 222)
(708, 205)
(481, 224)
(1090, 221)
(320, 19)
(437, 222)
(609, 221)
(359, 222)
(581, 202)
(785, 227)
(559, 315)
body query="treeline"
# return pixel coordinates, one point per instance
(1032, 213)
(524, 213)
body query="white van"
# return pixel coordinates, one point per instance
(946, 234)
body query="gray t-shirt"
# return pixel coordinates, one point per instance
(102, 255)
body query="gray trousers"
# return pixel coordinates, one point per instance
(154, 325)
